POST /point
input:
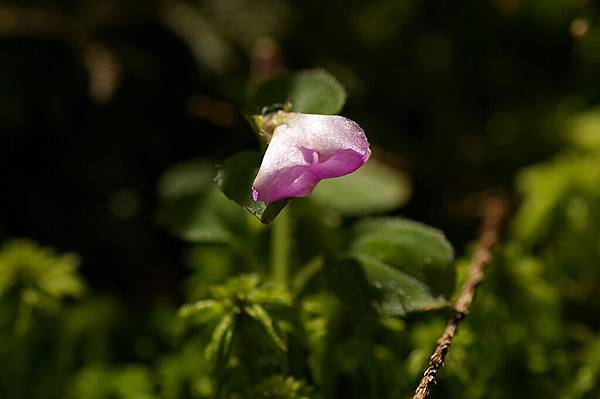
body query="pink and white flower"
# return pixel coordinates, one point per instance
(305, 149)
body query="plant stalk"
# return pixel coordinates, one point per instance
(280, 248)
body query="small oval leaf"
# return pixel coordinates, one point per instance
(409, 263)
(311, 91)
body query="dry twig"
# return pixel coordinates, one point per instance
(494, 212)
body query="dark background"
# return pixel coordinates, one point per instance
(97, 98)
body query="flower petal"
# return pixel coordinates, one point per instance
(308, 148)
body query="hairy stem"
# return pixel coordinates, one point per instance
(494, 212)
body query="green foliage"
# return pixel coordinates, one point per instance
(303, 320)
(550, 188)
(398, 259)
(409, 263)
(239, 297)
(39, 277)
(538, 305)
(237, 311)
(564, 190)
(560, 215)
(193, 208)
(312, 91)
(347, 290)
(514, 332)
(35, 284)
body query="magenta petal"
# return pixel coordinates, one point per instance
(306, 149)
(338, 164)
(295, 181)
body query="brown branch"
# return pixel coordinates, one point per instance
(494, 212)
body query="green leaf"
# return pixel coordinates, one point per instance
(400, 292)
(190, 309)
(374, 188)
(217, 350)
(408, 263)
(259, 314)
(312, 91)
(235, 177)
(194, 210)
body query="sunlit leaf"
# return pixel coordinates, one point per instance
(400, 292)
(408, 263)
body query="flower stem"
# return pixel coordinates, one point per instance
(280, 248)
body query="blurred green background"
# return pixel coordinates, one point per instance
(99, 97)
